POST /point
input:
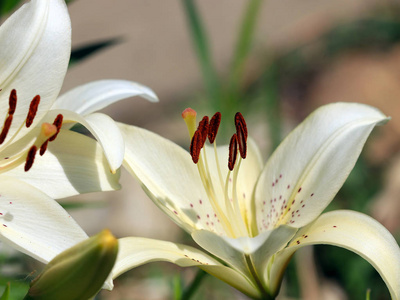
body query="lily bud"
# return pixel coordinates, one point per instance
(79, 272)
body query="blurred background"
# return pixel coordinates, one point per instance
(275, 61)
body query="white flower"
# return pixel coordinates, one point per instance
(253, 218)
(35, 49)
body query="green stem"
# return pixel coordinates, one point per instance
(273, 109)
(201, 45)
(191, 289)
(253, 272)
(243, 44)
(242, 49)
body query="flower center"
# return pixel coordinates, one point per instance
(222, 193)
(14, 154)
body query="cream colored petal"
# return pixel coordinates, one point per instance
(102, 127)
(35, 49)
(353, 231)
(309, 167)
(72, 164)
(135, 251)
(33, 223)
(170, 178)
(96, 95)
(246, 253)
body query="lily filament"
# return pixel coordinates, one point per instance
(231, 214)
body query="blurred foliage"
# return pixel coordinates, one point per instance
(80, 53)
(7, 6)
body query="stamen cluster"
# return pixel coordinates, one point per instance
(210, 128)
(48, 133)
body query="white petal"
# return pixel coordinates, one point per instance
(96, 95)
(356, 232)
(134, 251)
(72, 164)
(309, 167)
(33, 223)
(259, 249)
(169, 177)
(103, 128)
(35, 49)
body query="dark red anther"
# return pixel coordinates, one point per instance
(33, 107)
(30, 158)
(12, 102)
(58, 123)
(214, 126)
(239, 120)
(203, 129)
(233, 149)
(43, 148)
(241, 131)
(195, 146)
(6, 128)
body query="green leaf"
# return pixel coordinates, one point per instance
(85, 51)
(6, 294)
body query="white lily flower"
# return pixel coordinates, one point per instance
(253, 218)
(35, 49)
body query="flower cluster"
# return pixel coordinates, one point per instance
(246, 217)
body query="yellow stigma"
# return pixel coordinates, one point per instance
(189, 115)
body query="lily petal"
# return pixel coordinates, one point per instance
(103, 129)
(135, 251)
(72, 164)
(33, 223)
(96, 95)
(309, 167)
(356, 232)
(36, 45)
(169, 177)
(239, 252)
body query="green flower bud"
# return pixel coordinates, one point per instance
(79, 272)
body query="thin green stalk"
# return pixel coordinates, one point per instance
(273, 108)
(242, 50)
(192, 288)
(201, 45)
(244, 41)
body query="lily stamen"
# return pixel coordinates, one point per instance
(6, 128)
(233, 150)
(30, 158)
(12, 104)
(195, 147)
(213, 127)
(241, 132)
(58, 123)
(227, 208)
(33, 107)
